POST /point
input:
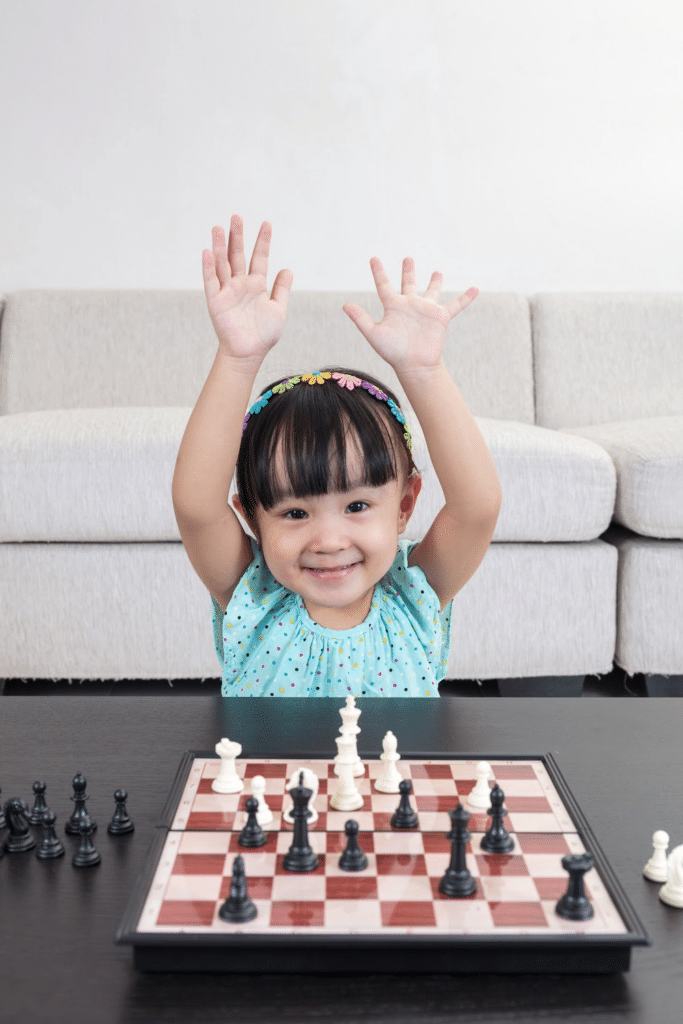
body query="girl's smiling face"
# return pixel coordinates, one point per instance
(354, 532)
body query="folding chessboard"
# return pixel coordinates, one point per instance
(389, 916)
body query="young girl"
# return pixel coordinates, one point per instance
(328, 601)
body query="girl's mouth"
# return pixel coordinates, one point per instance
(340, 573)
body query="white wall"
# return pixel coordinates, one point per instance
(520, 145)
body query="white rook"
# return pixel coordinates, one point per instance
(227, 780)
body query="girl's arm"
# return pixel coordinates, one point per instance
(247, 324)
(410, 338)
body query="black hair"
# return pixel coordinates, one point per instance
(313, 423)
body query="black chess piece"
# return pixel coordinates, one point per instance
(252, 834)
(575, 905)
(352, 858)
(457, 881)
(19, 839)
(50, 847)
(497, 839)
(404, 816)
(238, 907)
(120, 824)
(86, 855)
(39, 806)
(300, 856)
(79, 798)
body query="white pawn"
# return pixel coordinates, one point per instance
(672, 890)
(656, 868)
(264, 815)
(350, 715)
(390, 777)
(227, 780)
(480, 796)
(346, 796)
(312, 782)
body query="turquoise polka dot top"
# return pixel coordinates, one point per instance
(268, 645)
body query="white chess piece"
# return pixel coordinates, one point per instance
(227, 780)
(672, 890)
(657, 869)
(312, 782)
(390, 777)
(346, 796)
(480, 796)
(264, 815)
(350, 715)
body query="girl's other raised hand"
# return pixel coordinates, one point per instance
(246, 321)
(412, 331)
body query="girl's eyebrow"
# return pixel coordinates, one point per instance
(289, 496)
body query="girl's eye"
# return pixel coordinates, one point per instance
(355, 503)
(295, 513)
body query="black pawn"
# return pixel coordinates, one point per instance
(457, 880)
(353, 858)
(404, 816)
(19, 839)
(300, 856)
(39, 806)
(51, 847)
(574, 905)
(86, 855)
(120, 823)
(497, 839)
(252, 834)
(80, 796)
(238, 907)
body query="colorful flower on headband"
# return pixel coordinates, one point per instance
(374, 391)
(396, 411)
(317, 377)
(285, 385)
(261, 402)
(345, 380)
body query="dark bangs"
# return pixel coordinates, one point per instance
(313, 426)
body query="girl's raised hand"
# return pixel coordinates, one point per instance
(247, 322)
(411, 333)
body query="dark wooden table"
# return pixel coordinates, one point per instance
(622, 759)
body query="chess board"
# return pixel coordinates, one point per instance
(390, 916)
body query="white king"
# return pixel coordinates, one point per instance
(349, 716)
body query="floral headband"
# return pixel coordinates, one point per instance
(344, 380)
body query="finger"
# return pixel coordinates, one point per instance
(211, 283)
(361, 319)
(457, 305)
(259, 258)
(408, 285)
(236, 245)
(434, 287)
(281, 288)
(220, 255)
(382, 282)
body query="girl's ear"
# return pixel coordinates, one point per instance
(411, 492)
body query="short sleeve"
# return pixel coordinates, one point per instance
(416, 598)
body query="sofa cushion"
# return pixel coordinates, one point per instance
(606, 357)
(89, 474)
(106, 475)
(648, 456)
(107, 348)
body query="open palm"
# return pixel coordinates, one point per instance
(412, 331)
(247, 321)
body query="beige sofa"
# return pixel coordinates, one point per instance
(579, 398)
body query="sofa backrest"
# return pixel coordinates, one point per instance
(603, 357)
(68, 349)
